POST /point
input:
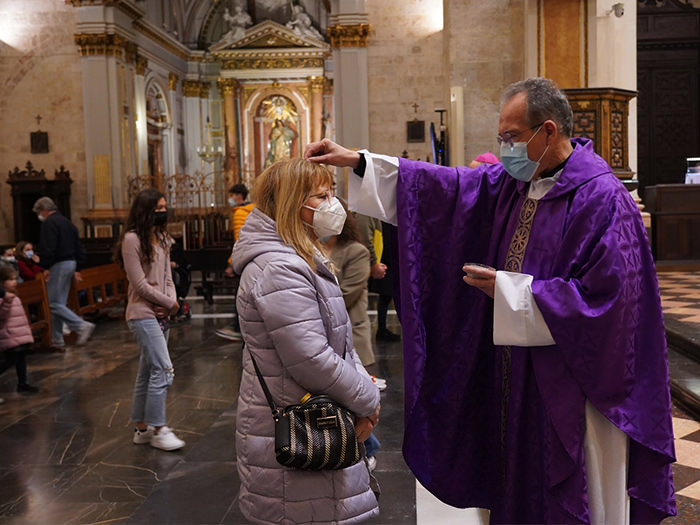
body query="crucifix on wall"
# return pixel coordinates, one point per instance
(39, 140)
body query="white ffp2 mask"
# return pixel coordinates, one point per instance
(329, 218)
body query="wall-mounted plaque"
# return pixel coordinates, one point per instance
(415, 131)
(39, 141)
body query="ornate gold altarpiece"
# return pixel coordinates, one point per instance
(273, 85)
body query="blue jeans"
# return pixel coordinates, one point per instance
(57, 288)
(372, 445)
(155, 373)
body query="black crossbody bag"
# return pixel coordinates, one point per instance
(317, 434)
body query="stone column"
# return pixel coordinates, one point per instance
(104, 63)
(348, 30)
(316, 85)
(230, 89)
(141, 121)
(193, 92)
(173, 144)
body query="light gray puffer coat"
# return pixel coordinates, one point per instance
(294, 321)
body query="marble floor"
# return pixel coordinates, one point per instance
(66, 454)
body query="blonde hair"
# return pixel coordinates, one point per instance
(280, 193)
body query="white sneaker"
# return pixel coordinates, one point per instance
(371, 463)
(229, 333)
(142, 437)
(379, 382)
(84, 333)
(164, 439)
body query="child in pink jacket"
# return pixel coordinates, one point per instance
(15, 333)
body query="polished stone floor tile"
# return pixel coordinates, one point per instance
(66, 454)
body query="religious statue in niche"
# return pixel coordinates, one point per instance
(281, 137)
(300, 23)
(238, 23)
(281, 114)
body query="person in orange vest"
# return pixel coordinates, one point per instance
(240, 209)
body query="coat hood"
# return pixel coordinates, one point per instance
(259, 235)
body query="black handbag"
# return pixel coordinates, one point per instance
(317, 434)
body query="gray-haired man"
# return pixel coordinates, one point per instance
(62, 256)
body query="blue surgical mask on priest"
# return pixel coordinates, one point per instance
(515, 157)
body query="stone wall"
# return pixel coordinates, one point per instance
(484, 54)
(40, 74)
(414, 57)
(405, 66)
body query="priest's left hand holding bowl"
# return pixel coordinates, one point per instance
(480, 276)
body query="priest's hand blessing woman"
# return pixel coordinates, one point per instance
(328, 152)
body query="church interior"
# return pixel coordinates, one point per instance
(103, 98)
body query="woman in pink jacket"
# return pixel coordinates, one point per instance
(15, 333)
(144, 251)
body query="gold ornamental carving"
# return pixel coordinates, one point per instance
(273, 63)
(94, 44)
(248, 92)
(141, 64)
(172, 81)
(304, 91)
(130, 52)
(190, 88)
(317, 84)
(195, 88)
(228, 86)
(356, 35)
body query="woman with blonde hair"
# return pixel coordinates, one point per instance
(295, 325)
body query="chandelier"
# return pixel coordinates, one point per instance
(208, 152)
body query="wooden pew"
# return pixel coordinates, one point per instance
(104, 286)
(211, 263)
(36, 305)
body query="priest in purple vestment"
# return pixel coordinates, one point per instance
(536, 385)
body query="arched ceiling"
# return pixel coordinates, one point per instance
(199, 23)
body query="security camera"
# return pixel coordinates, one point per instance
(618, 9)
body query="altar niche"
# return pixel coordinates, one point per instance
(275, 126)
(277, 123)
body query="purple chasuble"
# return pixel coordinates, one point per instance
(506, 432)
